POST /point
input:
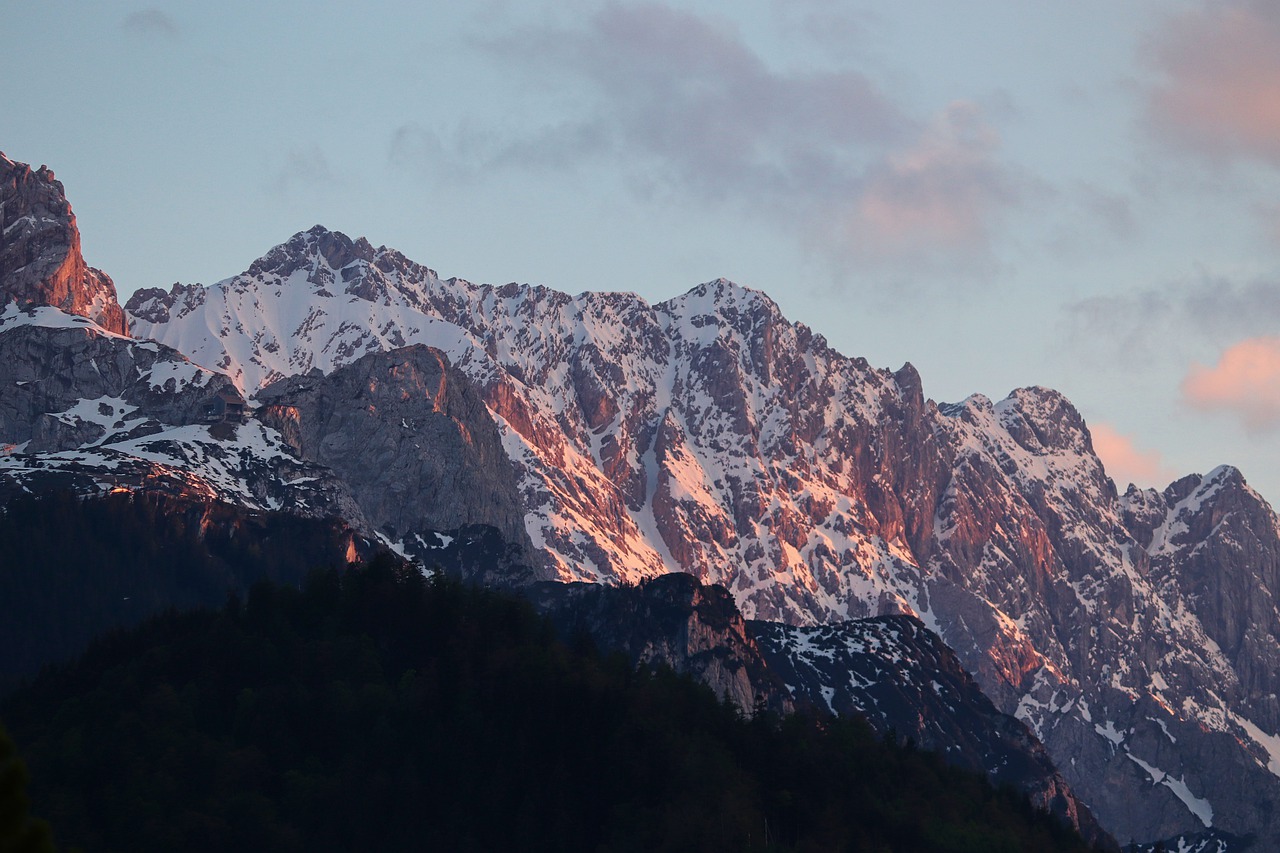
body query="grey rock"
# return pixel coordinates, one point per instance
(132, 387)
(410, 436)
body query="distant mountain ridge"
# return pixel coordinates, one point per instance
(1135, 634)
(710, 435)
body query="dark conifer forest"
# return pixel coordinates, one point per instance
(19, 831)
(373, 709)
(71, 568)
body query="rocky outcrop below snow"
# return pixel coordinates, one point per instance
(899, 676)
(86, 410)
(67, 383)
(40, 259)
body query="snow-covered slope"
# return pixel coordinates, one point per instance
(632, 424)
(91, 410)
(907, 683)
(709, 434)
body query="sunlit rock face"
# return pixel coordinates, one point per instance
(40, 260)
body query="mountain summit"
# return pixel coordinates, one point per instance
(40, 259)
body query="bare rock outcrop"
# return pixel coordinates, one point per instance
(675, 621)
(67, 387)
(410, 436)
(40, 258)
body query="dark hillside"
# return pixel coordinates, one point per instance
(376, 710)
(73, 568)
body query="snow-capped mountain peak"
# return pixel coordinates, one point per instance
(1136, 634)
(709, 434)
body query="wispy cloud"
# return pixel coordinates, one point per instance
(151, 23)
(691, 112)
(1218, 92)
(1269, 217)
(302, 168)
(1145, 323)
(706, 111)
(831, 26)
(1124, 462)
(1245, 383)
(1099, 220)
(416, 147)
(943, 195)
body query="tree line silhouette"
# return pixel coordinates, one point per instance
(375, 709)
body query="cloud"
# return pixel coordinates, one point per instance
(706, 111)
(1146, 323)
(942, 194)
(1100, 221)
(1219, 89)
(1245, 382)
(690, 111)
(416, 147)
(831, 26)
(1269, 217)
(151, 23)
(1124, 462)
(1112, 211)
(303, 167)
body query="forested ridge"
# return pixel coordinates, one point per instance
(374, 709)
(72, 568)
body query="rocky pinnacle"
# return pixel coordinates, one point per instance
(40, 258)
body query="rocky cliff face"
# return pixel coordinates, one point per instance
(90, 411)
(40, 259)
(412, 439)
(67, 384)
(672, 620)
(1134, 634)
(1127, 686)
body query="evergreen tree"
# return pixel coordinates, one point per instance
(19, 832)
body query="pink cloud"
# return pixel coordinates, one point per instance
(942, 195)
(1220, 88)
(1124, 462)
(1244, 382)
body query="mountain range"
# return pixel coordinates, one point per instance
(878, 553)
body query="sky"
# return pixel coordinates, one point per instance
(1004, 193)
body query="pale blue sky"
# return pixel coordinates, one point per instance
(1081, 195)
